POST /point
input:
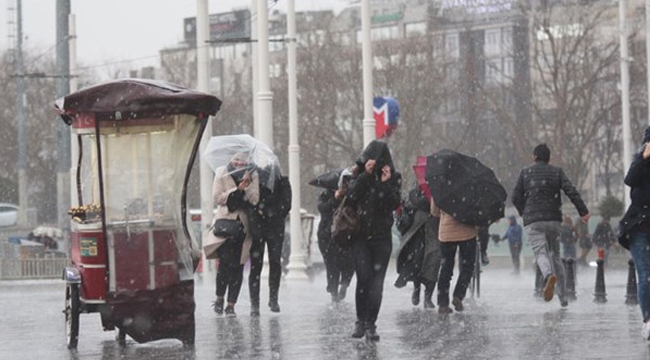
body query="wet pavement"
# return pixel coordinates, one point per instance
(507, 322)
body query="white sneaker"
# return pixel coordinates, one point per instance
(646, 330)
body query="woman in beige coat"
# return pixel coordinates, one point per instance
(454, 234)
(234, 190)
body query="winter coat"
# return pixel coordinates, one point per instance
(375, 200)
(638, 179)
(418, 256)
(273, 206)
(223, 187)
(537, 193)
(513, 233)
(603, 235)
(450, 229)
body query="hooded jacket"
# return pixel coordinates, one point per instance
(638, 179)
(375, 200)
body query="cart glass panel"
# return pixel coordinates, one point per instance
(143, 164)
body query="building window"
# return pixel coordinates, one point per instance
(276, 43)
(275, 70)
(492, 41)
(492, 71)
(506, 43)
(451, 45)
(508, 68)
(415, 29)
(385, 33)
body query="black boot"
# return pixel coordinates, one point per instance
(371, 332)
(255, 308)
(218, 306)
(415, 298)
(275, 307)
(342, 291)
(359, 329)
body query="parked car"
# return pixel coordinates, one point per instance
(8, 214)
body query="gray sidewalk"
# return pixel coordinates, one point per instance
(507, 322)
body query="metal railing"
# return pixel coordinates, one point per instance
(16, 269)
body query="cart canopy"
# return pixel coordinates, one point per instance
(136, 99)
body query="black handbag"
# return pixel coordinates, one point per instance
(229, 229)
(345, 224)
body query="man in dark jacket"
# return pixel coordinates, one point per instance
(537, 198)
(634, 228)
(267, 222)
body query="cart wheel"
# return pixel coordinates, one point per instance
(72, 310)
(120, 336)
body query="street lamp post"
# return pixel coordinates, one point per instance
(366, 50)
(625, 95)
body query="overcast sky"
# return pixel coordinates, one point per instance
(109, 31)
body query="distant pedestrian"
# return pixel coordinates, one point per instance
(454, 235)
(339, 264)
(584, 240)
(568, 238)
(537, 198)
(634, 228)
(375, 192)
(267, 227)
(604, 237)
(514, 235)
(418, 257)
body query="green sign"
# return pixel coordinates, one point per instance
(383, 18)
(88, 246)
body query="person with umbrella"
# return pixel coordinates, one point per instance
(537, 198)
(375, 192)
(235, 189)
(267, 224)
(339, 265)
(465, 194)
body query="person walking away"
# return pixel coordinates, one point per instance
(484, 241)
(234, 191)
(339, 264)
(268, 224)
(634, 227)
(454, 235)
(537, 198)
(418, 257)
(568, 238)
(604, 237)
(375, 192)
(513, 234)
(584, 240)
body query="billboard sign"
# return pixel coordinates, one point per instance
(223, 26)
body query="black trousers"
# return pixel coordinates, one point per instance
(273, 236)
(230, 273)
(371, 261)
(339, 264)
(467, 258)
(515, 250)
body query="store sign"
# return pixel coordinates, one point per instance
(223, 26)
(478, 6)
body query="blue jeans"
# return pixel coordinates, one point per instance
(640, 249)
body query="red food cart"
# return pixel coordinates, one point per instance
(133, 258)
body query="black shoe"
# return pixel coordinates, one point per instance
(359, 330)
(371, 333)
(230, 311)
(415, 298)
(563, 301)
(342, 292)
(255, 310)
(444, 310)
(218, 306)
(485, 261)
(400, 282)
(428, 304)
(458, 304)
(275, 307)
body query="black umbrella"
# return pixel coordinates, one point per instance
(465, 188)
(328, 180)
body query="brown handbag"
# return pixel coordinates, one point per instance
(345, 224)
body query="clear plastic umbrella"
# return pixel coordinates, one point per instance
(222, 149)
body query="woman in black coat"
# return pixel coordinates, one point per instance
(375, 192)
(418, 257)
(339, 264)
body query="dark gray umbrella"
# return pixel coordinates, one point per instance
(328, 180)
(465, 188)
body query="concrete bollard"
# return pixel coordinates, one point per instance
(570, 279)
(600, 296)
(539, 282)
(631, 296)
